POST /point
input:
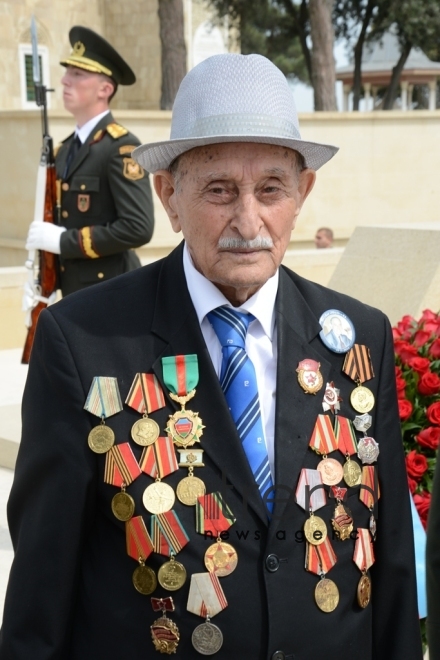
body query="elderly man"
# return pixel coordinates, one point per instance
(218, 530)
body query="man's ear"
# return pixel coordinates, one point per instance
(165, 188)
(306, 182)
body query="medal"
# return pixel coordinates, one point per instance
(213, 516)
(190, 487)
(337, 331)
(315, 529)
(358, 366)
(121, 467)
(164, 632)
(309, 376)
(158, 497)
(181, 375)
(323, 441)
(368, 450)
(347, 444)
(331, 398)
(144, 579)
(363, 557)
(362, 422)
(172, 575)
(331, 471)
(207, 638)
(145, 396)
(206, 599)
(319, 560)
(123, 505)
(221, 558)
(369, 493)
(342, 521)
(103, 400)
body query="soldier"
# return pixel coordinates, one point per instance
(105, 202)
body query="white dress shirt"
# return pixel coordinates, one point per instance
(85, 130)
(261, 338)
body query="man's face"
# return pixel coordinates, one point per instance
(236, 205)
(322, 240)
(81, 89)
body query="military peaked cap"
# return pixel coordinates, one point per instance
(93, 53)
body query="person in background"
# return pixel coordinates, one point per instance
(324, 238)
(105, 201)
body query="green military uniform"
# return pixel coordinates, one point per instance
(105, 199)
(106, 206)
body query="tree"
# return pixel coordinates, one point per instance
(323, 61)
(173, 50)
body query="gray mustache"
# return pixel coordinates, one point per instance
(260, 242)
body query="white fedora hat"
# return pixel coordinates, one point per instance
(232, 98)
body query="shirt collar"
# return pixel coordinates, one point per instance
(206, 296)
(84, 132)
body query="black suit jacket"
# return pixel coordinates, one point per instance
(106, 205)
(70, 594)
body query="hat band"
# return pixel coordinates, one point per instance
(87, 64)
(238, 124)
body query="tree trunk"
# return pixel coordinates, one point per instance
(358, 50)
(173, 50)
(323, 61)
(391, 92)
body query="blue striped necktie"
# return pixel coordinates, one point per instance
(239, 384)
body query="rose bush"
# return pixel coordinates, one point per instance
(417, 349)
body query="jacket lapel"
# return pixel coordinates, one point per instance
(296, 411)
(176, 323)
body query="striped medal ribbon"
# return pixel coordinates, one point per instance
(315, 529)
(369, 494)
(159, 460)
(213, 516)
(103, 400)
(139, 548)
(347, 445)
(164, 632)
(206, 599)
(169, 537)
(320, 560)
(359, 367)
(145, 396)
(121, 469)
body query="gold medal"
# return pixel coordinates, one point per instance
(144, 579)
(342, 522)
(189, 489)
(331, 471)
(326, 595)
(172, 575)
(101, 439)
(362, 399)
(145, 431)
(315, 530)
(221, 558)
(185, 426)
(158, 497)
(123, 506)
(165, 635)
(352, 473)
(364, 591)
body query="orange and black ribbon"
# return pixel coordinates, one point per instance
(121, 467)
(167, 533)
(357, 364)
(369, 479)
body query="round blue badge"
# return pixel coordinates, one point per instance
(337, 331)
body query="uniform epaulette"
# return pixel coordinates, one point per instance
(116, 130)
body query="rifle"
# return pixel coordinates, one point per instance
(41, 286)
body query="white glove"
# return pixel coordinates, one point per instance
(44, 236)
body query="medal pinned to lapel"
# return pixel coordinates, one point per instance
(358, 366)
(331, 399)
(309, 376)
(164, 632)
(342, 521)
(145, 396)
(181, 375)
(337, 332)
(103, 400)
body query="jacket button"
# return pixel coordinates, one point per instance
(62, 269)
(278, 655)
(65, 214)
(100, 275)
(83, 186)
(272, 565)
(65, 186)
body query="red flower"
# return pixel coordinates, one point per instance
(416, 464)
(433, 413)
(428, 315)
(405, 409)
(419, 364)
(423, 503)
(404, 350)
(397, 371)
(429, 437)
(432, 327)
(428, 384)
(435, 349)
(412, 484)
(401, 385)
(421, 337)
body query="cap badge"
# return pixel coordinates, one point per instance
(78, 49)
